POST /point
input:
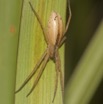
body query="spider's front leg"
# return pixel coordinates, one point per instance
(58, 70)
(57, 73)
(33, 72)
(58, 63)
(40, 73)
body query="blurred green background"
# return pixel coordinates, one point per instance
(83, 51)
(87, 15)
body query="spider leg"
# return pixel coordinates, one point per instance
(33, 72)
(56, 80)
(61, 74)
(39, 20)
(61, 78)
(69, 18)
(62, 41)
(67, 25)
(39, 74)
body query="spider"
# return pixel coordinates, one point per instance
(54, 36)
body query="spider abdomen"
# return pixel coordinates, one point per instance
(54, 29)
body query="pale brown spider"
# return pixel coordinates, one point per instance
(55, 36)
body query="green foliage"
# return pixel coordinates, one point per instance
(88, 73)
(31, 46)
(10, 11)
(22, 44)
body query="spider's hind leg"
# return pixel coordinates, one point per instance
(69, 18)
(39, 20)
